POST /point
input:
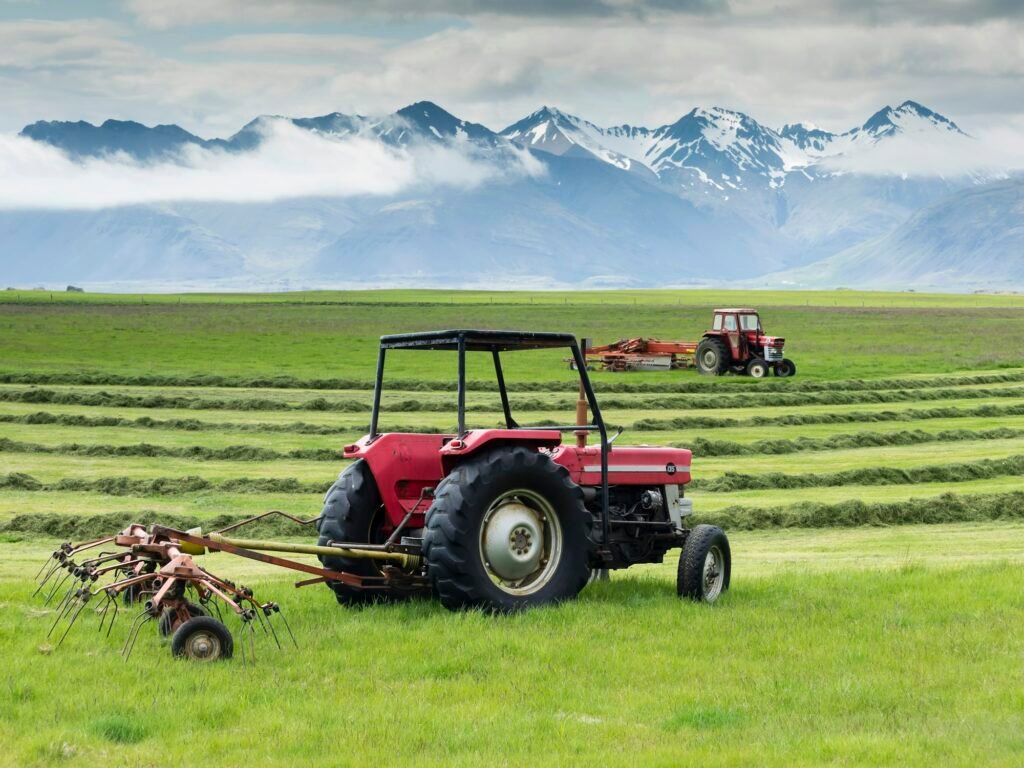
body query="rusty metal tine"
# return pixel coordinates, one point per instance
(103, 614)
(56, 586)
(47, 577)
(71, 623)
(288, 627)
(136, 637)
(273, 633)
(67, 596)
(259, 618)
(135, 621)
(46, 562)
(66, 610)
(113, 617)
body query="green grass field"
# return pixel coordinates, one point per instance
(850, 643)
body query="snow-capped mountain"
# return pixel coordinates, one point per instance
(713, 196)
(722, 149)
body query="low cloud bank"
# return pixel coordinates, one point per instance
(290, 162)
(991, 153)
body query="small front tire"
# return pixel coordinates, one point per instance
(202, 638)
(785, 368)
(705, 565)
(757, 368)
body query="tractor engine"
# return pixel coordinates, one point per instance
(772, 348)
(642, 530)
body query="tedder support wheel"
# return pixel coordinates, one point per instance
(757, 368)
(202, 638)
(507, 530)
(353, 512)
(705, 565)
(712, 357)
(170, 620)
(785, 368)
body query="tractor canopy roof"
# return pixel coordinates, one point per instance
(477, 340)
(738, 310)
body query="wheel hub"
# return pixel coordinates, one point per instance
(513, 541)
(714, 573)
(203, 646)
(520, 542)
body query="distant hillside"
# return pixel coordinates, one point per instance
(973, 239)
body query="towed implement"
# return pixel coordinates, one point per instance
(493, 519)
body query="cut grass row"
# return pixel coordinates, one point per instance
(988, 413)
(960, 472)
(701, 446)
(918, 508)
(52, 429)
(672, 383)
(519, 403)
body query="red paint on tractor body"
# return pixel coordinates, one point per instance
(403, 464)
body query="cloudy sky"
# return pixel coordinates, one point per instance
(211, 65)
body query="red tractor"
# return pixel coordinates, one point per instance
(502, 519)
(737, 343)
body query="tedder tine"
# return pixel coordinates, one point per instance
(133, 633)
(82, 602)
(56, 586)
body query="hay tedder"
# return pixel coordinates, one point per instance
(493, 519)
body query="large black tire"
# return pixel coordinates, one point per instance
(785, 368)
(713, 357)
(693, 579)
(202, 638)
(352, 511)
(452, 544)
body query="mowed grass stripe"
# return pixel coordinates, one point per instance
(50, 429)
(673, 383)
(567, 405)
(960, 472)
(910, 509)
(700, 446)
(53, 467)
(984, 415)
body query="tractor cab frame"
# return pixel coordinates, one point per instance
(496, 342)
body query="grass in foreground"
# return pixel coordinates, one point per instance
(851, 648)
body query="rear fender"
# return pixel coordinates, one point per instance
(478, 440)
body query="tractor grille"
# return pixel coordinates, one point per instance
(773, 354)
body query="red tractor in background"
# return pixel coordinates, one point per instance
(736, 343)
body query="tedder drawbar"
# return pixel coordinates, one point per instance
(494, 519)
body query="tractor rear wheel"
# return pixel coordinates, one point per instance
(785, 368)
(353, 513)
(712, 357)
(705, 565)
(757, 368)
(507, 530)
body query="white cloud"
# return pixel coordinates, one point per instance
(290, 162)
(990, 153)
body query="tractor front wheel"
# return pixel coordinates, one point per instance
(757, 368)
(705, 565)
(713, 357)
(785, 368)
(507, 531)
